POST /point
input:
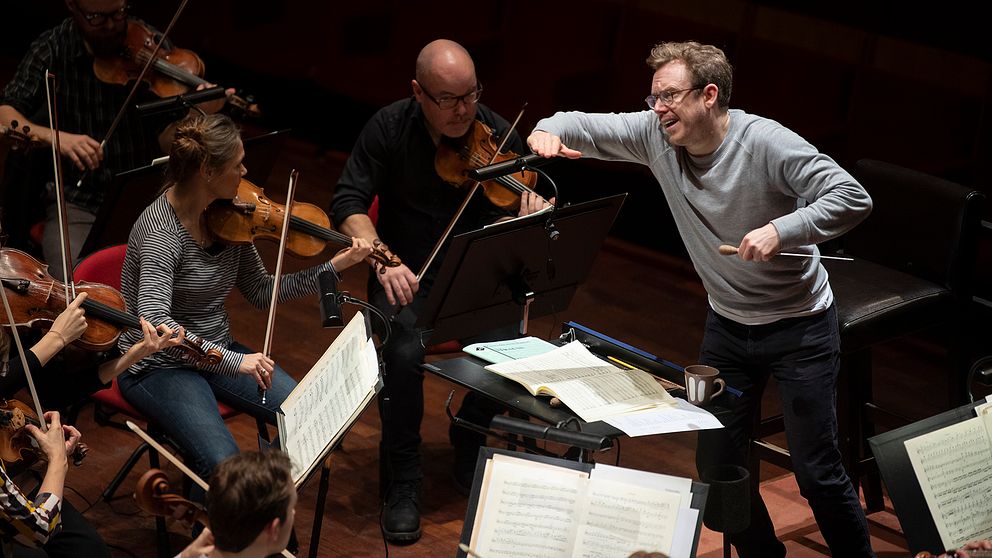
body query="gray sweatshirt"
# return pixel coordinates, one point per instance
(762, 173)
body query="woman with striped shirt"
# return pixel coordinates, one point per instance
(176, 273)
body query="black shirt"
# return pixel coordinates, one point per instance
(85, 106)
(394, 159)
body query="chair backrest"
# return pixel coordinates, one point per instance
(921, 225)
(103, 266)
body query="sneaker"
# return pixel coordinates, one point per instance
(401, 513)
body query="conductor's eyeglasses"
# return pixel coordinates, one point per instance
(667, 98)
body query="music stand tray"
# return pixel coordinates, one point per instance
(507, 272)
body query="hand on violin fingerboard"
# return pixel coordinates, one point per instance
(547, 145)
(360, 249)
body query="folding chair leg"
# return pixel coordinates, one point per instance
(108, 493)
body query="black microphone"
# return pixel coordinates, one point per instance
(330, 308)
(527, 429)
(177, 102)
(497, 170)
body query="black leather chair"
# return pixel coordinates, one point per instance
(914, 261)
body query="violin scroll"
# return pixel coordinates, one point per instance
(19, 138)
(153, 495)
(199, 357)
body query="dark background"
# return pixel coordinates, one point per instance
(881, 80)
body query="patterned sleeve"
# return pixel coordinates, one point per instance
(255, 282)
(29, 523)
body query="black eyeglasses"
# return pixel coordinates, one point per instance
(667, 98)
(97, 19)
(448, 103)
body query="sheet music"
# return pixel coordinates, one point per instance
(329, 397)
(954, 468)
(530, 512)
(590, 387)
(684, 417)
(620, 519)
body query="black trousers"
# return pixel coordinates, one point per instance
(401, 401)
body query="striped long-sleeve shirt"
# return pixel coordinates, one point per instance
(29, 523)
(168, 278)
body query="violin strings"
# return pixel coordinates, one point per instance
(314, 229)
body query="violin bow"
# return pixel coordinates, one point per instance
(53, 123)
(178, 463)
(468, 198)
(294, 177)
(24, 360)
(137, 83)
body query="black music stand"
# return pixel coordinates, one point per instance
(132, 191)
(900, 480)
(507, 272)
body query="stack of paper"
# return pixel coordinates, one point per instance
(630, 400)
(592, 388)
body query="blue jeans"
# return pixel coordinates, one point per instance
(803, 354)
(182, 402)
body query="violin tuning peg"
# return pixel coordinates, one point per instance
(26, 129)
(13, 124)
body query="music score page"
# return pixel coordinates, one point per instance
(954, 468)
(332, 395)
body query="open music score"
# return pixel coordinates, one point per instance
(954, 468)
(535, 509)
(329, 399)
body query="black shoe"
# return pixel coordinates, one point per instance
(401, 516)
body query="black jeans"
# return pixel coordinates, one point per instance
(401, 401)
(803, 354)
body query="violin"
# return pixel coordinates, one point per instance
(37, 298)
(153, 495)
(455, 158)
(18, 137)
(15, 442)
(251, 215)
(177, 70)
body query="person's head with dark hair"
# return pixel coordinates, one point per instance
(251, 503)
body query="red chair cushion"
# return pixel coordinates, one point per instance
(112, 397)
(103, 266)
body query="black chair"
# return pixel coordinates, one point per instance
(914, 261)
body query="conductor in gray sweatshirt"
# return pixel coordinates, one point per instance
(735, 178)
